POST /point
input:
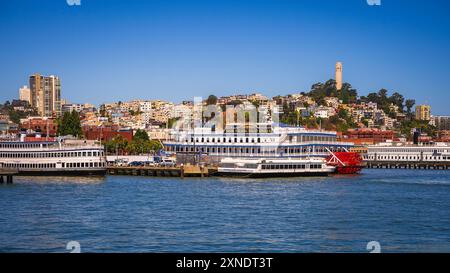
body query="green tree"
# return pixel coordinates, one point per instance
(141, 144)
(328, 89)
(424, 126)
(117, 144)
(212, 100)
(141, 135)
(398, 100)
(409, 105)
(382, 94)
(70, 124)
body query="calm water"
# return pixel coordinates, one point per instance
(404, 210)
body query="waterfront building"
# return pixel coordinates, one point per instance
(402, 152)
(25, 94)
(423, 112)
(46, 95)
(338, 77)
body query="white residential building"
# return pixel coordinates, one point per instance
(25, 94)
(145, 106)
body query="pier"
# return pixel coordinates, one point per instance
(408, 165)
(6, 175)
(178, 171)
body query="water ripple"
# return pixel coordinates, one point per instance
(406, 211)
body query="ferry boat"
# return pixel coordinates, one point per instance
(59, 157)
(261, 168)
(274, 142)
(262, 141)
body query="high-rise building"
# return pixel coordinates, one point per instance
(338, 74)
(46, 95)
(25, 94)
(423, 112)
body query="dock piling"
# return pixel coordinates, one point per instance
(6, 175)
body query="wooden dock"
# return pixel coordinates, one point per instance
(408, 165)
(6, 175)
(182, 171)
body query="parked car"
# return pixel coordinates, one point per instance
(150, 163)
(121, 162)
(167, 162)
(135, 164)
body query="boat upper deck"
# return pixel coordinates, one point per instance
(49, 146)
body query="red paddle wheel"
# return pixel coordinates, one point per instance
(345, 162)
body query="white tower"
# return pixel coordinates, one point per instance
(338, 75)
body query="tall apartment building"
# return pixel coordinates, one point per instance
(423, 112)
(25, 94)
(46, 95)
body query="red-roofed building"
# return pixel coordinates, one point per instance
(106, 133)
(45, 125)
(368, 136)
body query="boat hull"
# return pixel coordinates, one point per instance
(349, 169)
(272, 175)
(95, 172)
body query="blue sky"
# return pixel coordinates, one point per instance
(110, 50)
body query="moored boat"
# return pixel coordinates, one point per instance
(53, 158)
(261, 168)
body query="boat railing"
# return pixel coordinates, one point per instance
(276, 143)
(52, 147)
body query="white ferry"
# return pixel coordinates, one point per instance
(61, 157)
(261, 168)
(263, 141)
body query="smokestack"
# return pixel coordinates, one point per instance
(416, 136)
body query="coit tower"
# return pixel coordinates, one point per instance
(338, 75)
